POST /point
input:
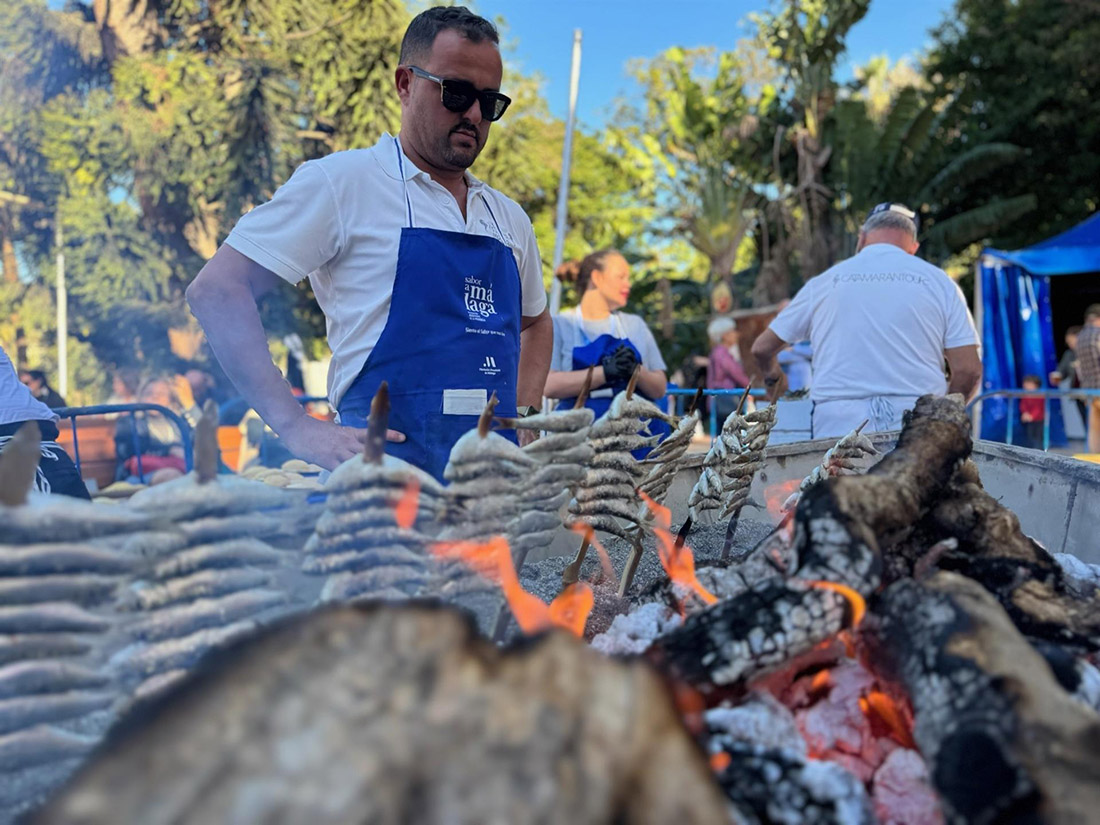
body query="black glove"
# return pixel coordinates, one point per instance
(619, 365)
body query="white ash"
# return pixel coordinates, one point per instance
(761, 719)
(828, 781)
(1082, 578)
(1088, 691)
(902, 791)
(634, 632)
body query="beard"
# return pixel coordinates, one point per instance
(461, 157)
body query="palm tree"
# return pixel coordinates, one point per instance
(917, 156)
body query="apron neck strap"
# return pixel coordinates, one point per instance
(404, 182)
(616, 324)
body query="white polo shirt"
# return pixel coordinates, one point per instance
(879, 323)
(338, 221)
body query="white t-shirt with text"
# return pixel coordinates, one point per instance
(338, 221)
(878, 323)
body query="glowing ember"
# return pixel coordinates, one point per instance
(877, 705)
(857, 603)
(404, 512)
(719, 761)
(678, 562)
(776, 495)
(493, 560)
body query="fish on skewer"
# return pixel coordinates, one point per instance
(843, 458)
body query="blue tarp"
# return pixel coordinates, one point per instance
(1017, 329)
(1075, 251)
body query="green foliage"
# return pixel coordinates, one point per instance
(911, 153)
(1032, 80)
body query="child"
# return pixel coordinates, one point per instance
(1032, 413)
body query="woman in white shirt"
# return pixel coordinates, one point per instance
(596, 333)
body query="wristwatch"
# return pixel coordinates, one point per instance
(527, 410)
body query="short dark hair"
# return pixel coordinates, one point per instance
(37, 375)
(1074, 330)
(1092, 312)
(425, 27)
(1032, 379)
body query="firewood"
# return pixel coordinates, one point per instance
(1003, 740)
(1024, 577)
(394, 714)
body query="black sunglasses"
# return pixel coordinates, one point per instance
(459, 95)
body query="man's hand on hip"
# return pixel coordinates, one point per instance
(326, 444)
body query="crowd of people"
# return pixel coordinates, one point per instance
(431, 280)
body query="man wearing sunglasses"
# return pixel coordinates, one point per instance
(881, 325)
(429, 279)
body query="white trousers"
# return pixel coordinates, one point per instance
(835, 418)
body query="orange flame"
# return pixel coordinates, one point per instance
(776, 495)
(404, 512)
(857, 603)
(678, 562)
(876, 705)
(493, 560)
(571, 608)
(589, 535)
(820, 681)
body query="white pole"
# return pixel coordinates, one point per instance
(62, 315)
(566, 161)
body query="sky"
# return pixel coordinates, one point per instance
(540, 33)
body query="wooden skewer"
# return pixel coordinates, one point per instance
(582, 398)
(572, 572)
(19, 464)
(631, 564)
(632, 384)
(375, 446)
(207, 454)
(485, 422)
(695, 401)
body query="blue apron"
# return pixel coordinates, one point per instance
(451, 339)
(589, 354)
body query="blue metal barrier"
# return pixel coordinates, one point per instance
(1047, 395)
(107, 409)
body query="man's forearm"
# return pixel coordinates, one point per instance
(965, 384)
(231, 321)
(535, 354)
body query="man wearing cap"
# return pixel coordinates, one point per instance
(881, 325)
(429, 279)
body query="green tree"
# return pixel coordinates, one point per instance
(909, 151)
(148, 129)
(1032, 80)
(805, 38)
(701, 140)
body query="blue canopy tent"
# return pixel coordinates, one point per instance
(1013, 303)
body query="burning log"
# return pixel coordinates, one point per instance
(1025, 578)
(837, 530)
(1003, 740)
(408, 716)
